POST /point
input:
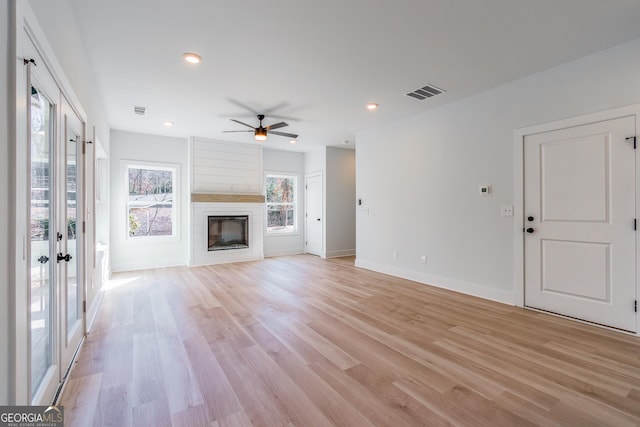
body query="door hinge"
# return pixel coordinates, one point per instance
(84, 226)
(635, 224)
(631, 139)
(635, 306)
(84, 306)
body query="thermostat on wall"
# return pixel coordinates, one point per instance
(485, 190)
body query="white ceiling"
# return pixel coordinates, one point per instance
(318, 63)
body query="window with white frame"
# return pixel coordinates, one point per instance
(281, 203)
(151, 209)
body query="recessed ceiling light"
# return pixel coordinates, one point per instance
(372, 106)
(168, 124)
(192, 58)
(293, 141)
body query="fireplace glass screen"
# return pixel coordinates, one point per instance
(228, 232)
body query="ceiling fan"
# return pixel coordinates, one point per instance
(260, 132)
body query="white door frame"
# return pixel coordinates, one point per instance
(31, 42)
(518, 188)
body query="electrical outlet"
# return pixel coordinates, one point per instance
(506, 210)
(423, 259)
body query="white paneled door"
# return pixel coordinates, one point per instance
(313, 214)
(580, 222)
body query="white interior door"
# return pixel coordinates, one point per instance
(313, 213)
(579, 222)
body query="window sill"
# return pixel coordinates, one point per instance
(152, 239)
(282, 233)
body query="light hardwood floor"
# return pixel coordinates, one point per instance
(308, 342)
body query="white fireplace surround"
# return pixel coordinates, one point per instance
(200, 212)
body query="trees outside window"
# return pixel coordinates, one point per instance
(150, 201)
(281, 203)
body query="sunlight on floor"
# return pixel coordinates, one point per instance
(116, 283)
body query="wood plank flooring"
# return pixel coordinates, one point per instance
(301, 341)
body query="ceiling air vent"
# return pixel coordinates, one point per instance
(139, 110)
(425, 92)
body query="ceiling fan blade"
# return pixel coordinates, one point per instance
(288, 135)
(275, 108)
(276, 126)
(243, 106)
(242, 123)
(229, 131)
(287, 118)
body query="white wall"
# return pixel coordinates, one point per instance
(286, 163)
(131, 254)
(58, 21)
(7, 111)
(340, 213)
(419, 177)
(315, 160)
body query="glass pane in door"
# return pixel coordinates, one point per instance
(72, 242)
(41, 261)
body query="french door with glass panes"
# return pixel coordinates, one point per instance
(55, 135)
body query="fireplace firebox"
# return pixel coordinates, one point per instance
(228, 232)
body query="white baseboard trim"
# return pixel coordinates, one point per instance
(473, 289)
(93, 310)
(225, 261)
(341, 253)
(283, 252)
(140, 266)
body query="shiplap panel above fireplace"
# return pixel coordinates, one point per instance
(225, 167)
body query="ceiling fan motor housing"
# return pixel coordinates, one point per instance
(260, 132)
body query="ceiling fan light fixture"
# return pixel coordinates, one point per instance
(261, 135)
(192, 58)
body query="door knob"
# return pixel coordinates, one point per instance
(65, 258)
(530, 230)
(530, 219)
(318, 219)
